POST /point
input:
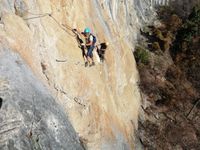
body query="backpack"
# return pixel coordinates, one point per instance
(94, 39)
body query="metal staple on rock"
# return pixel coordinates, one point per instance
(77, 100)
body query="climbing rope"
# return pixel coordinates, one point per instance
(27, 11)
(64, 27)
(39, 16)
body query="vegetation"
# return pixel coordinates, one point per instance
(170, 83)
(189, 30)
(191, 27)
(141, 55)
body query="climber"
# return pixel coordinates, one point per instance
(90, 45)
(90, 41)
(101, 48)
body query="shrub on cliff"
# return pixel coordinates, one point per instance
(141, 55)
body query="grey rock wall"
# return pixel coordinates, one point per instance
(146, 9)
(29, 116)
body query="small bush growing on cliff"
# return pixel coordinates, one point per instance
(141, 55)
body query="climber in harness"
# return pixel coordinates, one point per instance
(90, 45)
(101, 48)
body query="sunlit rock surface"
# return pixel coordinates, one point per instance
(101, 102)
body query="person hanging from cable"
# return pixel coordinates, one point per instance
(89, 45)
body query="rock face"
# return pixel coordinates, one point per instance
(146, 9)
(101, 102)
(30, 118)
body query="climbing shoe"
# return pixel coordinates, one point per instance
(93, 64)
(86, 64)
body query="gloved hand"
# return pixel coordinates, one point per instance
(74, 31)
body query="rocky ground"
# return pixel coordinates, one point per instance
(169, 68)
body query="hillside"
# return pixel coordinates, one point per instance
(168, 61)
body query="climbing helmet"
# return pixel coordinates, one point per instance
(87, 30)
